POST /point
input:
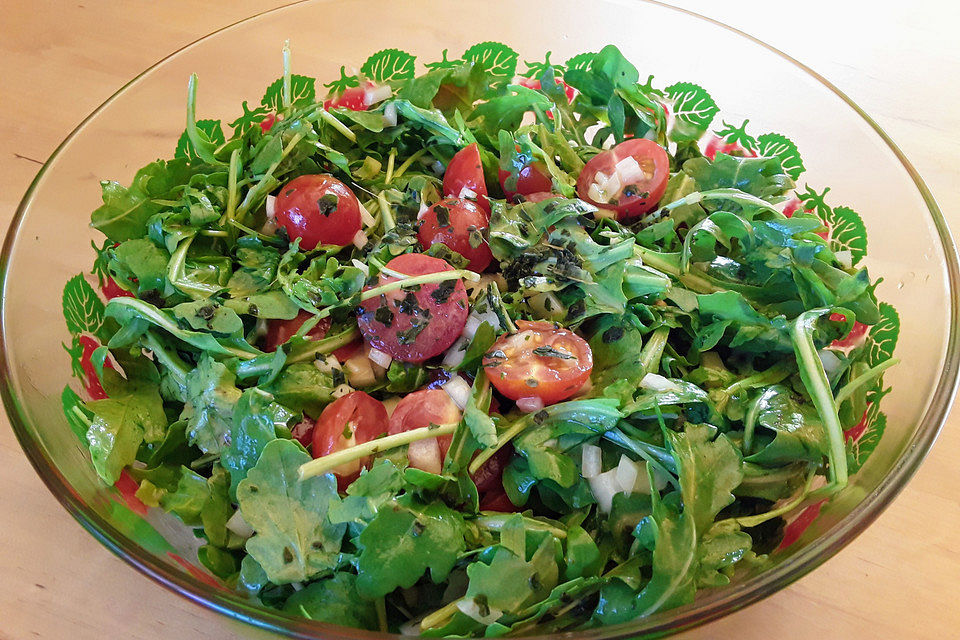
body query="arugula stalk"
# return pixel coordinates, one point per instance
(867, 376)
(815, 381)
(204, 148)
(327, 463)
(287, 77)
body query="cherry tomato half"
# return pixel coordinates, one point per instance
(531, 178)
(460, 225)
(351, 420)
(112, 290)
(354, 98)
(540, 196)
(465, 171)
(853, 339)
(279, 331)
(532, 83)
(414, 325)
(541, 360)
(318, 209)
(638, 186)
(720, 145)
(421, 409)
(90, 380)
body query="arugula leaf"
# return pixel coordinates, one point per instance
(209, 315)
(722, 547)
(403, 377)
(302, 387)
(255, 421)
(365, 495)
(211, 397)
(509, 583)
(799, 433)
(403, 541)
(333, 600)
(754, 332)
(294, 541)
(211, 132)
(761, 177)
(141, 261)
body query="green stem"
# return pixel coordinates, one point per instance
(232, 187)
(493, 521)
(690, 280)
(750, 420)
(818, 387)
(496, 301)
(344, 130)
(265, 184)
(409, 161)
(439, 617)
(203, 147)
(773, 375)
(753, 521)
(326, 345)
(503, 438)
(326, 463)
(391, 159)
(867, 376)
(252, 232)
(381, 605)
(652, 352)
(733, 195)
(177, 367)
(386, 213)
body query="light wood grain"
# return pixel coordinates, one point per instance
(59, 60)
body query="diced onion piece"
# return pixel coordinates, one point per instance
(373, 95)
(595, 194)
(361, 266)
(628, 473)
(239, 526)
(379, 357)
(530, 405)
(604, 486)
(630, 170)
(591, 464)
(342, 390)
(612, 188)
(390, 404)
(831, 363)
(469, 607)
(269, 227)
(359, 372)
(656, 382)
(600, 179)
(845, 258)
(458, 390)
(365, 218)
(411, 628)
(425, 455)
(260, 329)
(271, 206)
(390, 114)
(547, 305)
(454, 355)
(423, 210)
(297, 586)
(328, 364)
(360, 240)
(466, 193)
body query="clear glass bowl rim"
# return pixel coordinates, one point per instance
(717, 605)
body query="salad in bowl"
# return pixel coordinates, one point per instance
(473, 353)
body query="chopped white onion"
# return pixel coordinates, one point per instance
(373, 95)
(600, 179)
(594, 193)
(360, 240)
(269, 227)
(365, 218)
(271, 206)
(630, 170)
(379, 357)
(612, 188)
(530, 405)
(604, 486)
(260, 329)
(845, 258)
(656, 382)
(469, 607)
(628, 472)
(297, 586)
(423, 211)
(411, 628)
(454, 355)
(831, 363)
(359, 372)
(458, 390)
(390, 404)
(328, 364)
(425, 455)
(342, 390)
(466, 193)
(591, 464)
(239, 526)
(390, 114)
(470, 327)
(361, 266)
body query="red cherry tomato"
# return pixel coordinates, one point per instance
(540, 196)
(112, 290)
(354, 98)
(793, 205)
(351, 420)
(91, 382)
(532, 83)
(414, 325)
(719, 145)
(302, 432)
(852, 339)
(489, 477)
(497, 500)
(458, 224)
(318, 209)
(541, 360)
(531, 178)
(637, 193)
(279, 331)
(465, 171)
(267, 123)
(854, 432)
(421, 409)
(347, 351)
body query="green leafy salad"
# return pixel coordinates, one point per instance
(473, 353)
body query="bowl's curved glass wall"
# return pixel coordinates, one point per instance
(840, 149)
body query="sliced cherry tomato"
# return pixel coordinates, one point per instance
(91, 382)
(414, 325)
(854, 432)
(351, 420)
(354, 98)
(540, 196)
(793, 205)
(421, 409)
(637, 187)
(497, 500)
(541, 360)
(318, 209)
(112, 290)
(302, 432)
(854, 338)
(720, 145)
(267, 123)
(489, 477)
(465, 171)
(532, 83)
(531, 178)
(347, 351)
(459, 224)
(279, 331)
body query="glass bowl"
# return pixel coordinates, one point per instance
(49, 241)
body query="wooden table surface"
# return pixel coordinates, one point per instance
(60, 59)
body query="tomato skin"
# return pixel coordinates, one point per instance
(112, 290)
(793, 205)
(267, 123)
(720, 145)
(358, 414)
(297, 210)
(421, 409)
(279, 331)
(466, 171)
(518, 372)
(497, 500)
(532, 83)
(91, 382)
(489, 477)
(854, 338)
(441, 321)
(347, 351)
(532, 178)
(460, 215)
(540, 196)
(654, 161)
(354, 98)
